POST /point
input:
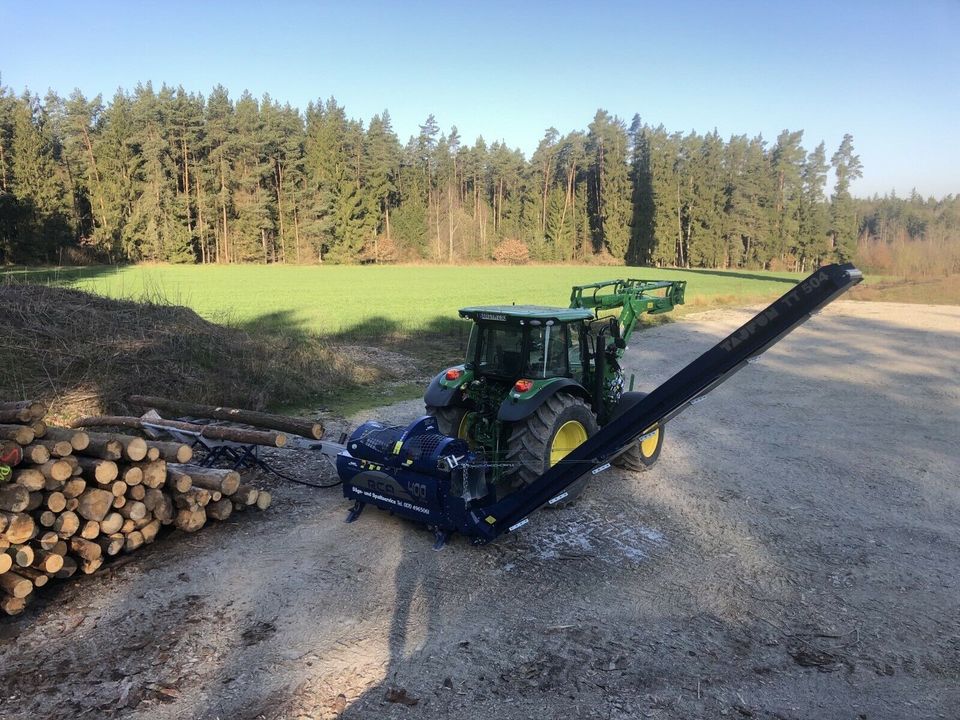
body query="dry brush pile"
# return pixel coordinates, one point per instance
(84, 354)
(70, 499)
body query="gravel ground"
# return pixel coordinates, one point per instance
(794, 554)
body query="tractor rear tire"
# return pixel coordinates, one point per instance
(641, 456)
(450, 419)
(542, 439)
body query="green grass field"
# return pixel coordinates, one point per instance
(379, 301)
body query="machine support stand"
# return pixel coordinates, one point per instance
(355, 511)
(440, 538)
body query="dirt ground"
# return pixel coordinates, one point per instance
(794, 554)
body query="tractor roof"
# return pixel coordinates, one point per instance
(515, 313)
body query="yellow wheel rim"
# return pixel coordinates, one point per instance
(464, 427)
(649, 446)
(570, 434)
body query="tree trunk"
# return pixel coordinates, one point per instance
(294, 426)
(95, 504)
(78, 439)
(100, 471)
(224, 481)
(20, 434)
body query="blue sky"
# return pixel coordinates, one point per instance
(887, 72)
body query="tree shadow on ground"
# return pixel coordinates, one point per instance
(741, 275)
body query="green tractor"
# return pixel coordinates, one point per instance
(538, 381)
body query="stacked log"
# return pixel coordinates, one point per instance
(77, 498)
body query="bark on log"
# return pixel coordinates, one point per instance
(29, 478)
(72, 504)
(153, 498)
(150, 530)
(224, 481)
(124, 421)
(173, 452)
(195, 496)
(20, 434)
(111, 544)
(37, 577)
(78, 439)
(67, 524)
(56, 502)
(57, 448)
(177, 480)
(84, 548)
(68, 569)
(189, 519)
(137, 492)
(294, 426)
(74, 487)
(90, 530)
(215, 432)
(25, 410)
(131, 447)
(16, 585)
(220, 510)
(36, 501)
(111, 523)
(60, 548)
(88, 567)
(164, 512)
(22, 554)
(19, 527)
(14, 497)
(95, 504)
(134, 540)
(104, 446)
(47, 561)
(11, 605)
(246, 494)
(58, 471)
(36, 454)
(98, 470)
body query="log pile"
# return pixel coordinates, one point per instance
(71, 499)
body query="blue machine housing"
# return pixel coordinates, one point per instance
(412, 471)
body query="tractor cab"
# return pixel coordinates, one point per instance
(510, 343)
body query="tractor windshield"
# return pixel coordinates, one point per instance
(510, 351)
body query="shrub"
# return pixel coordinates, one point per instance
(512, 252)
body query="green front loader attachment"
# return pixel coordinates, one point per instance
(635, 297)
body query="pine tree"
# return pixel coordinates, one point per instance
(844, 226)
(787, 162)
(609, 184)
(814, 221)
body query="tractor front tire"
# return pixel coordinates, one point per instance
(450, 419)
(643, 454)
(544, 437)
